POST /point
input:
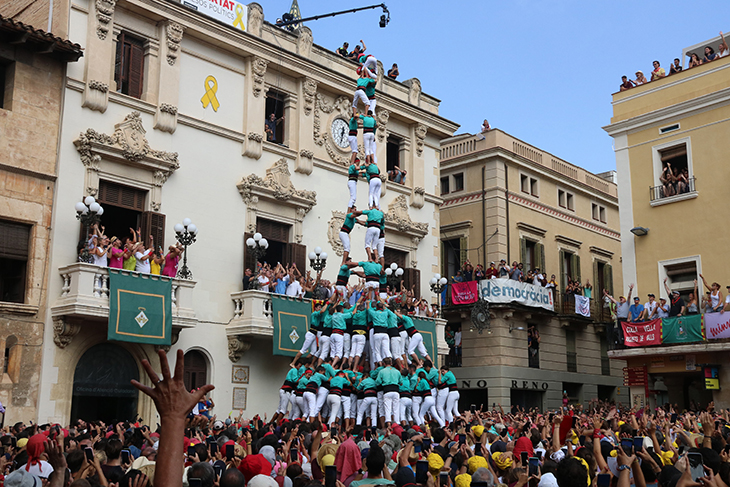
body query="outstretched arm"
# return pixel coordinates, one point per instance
(363, 45)
(631, 290)
(705, 283)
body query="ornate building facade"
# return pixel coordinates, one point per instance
(164, 120)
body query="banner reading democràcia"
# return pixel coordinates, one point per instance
(230, 12)
(717, 325)
(507, 291)
(642, 334)
(682, 329)
(140, 308)
(464, 292)
(291, 323)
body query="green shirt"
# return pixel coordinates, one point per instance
(368, 122)
(388, 377)
(374, 215)
(407, 322)
(338, 382)
(327, 321)
(330, 371)
(371, 171)
(353, 170)
(363, 82)
(423, 386)
(433, 376)
(318, 379)
(405, 384)
(316, 319)
(303, 381)
(358, 483)
(392, 319)
(344, 271)
(365, 384)
(292, 375)
(338, 320)
(360, 318)
(349, 221)
(353, 126)
(370, 88)
(378, 317)
(370, 268)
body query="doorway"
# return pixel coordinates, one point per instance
(102, 388)
(196, 370)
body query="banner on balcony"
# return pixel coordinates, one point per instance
(642, 334)
(464, 292)
(582, 306)
(140, 308)
(682, 329)
(291, 322)
(427, 328)
(507, 290)
(717, 325)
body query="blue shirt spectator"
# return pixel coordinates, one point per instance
(281, 284)
(635, 310)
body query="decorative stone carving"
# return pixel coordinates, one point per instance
(258, 66)
(173, 340)
(340, 107)
(236, 348)
(255, 19)
(398, 217)
(156, 206)
(333, 231)
(104, 16)
(309, 88)
(174, 35)
(166, 118)
(304, 41)
(382, 117)
(421, 131)
(379, 81)
(254, 145)
(96, 96)
(277, 184)
(64, 331)
(414, 90)
(304, 164)
(418, 197)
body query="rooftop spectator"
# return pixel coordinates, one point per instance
(658, 72)
(393, 72)
(355, 54)
(626, 83)
(675, 67)
(640, 78)
(694, 60)
(722, 49)
(485, 126)
(710, 55)
(342, 51)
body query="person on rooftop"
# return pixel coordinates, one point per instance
(640, 78)
(342, 51)
(694, 60)
(393, 72)
(675, 67)
(710, 54)
(626, 83)
(658, 72)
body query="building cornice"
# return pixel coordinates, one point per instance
(526, 227)
(673, 112)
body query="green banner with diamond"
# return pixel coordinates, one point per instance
(140, 308)
(427, 328)
(291, 322)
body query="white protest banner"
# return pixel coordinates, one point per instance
(507, 291)
(582, 306)
(717, 325)
(230, 12)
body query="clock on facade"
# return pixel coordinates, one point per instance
(340, 129)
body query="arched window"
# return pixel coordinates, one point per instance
(11, 362)
(196, 370)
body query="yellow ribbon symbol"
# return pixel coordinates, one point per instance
(239, 17)
(211, 87)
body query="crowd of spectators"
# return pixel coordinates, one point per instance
(595, 444)
(676, 67)
(675, 181)
(130, 253)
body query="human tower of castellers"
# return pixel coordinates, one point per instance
(360, 361)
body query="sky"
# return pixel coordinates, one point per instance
(542, 71)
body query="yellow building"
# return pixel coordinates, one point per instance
(506, 199)
(673, 227)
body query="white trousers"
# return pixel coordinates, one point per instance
(324, 347)
(374, 194)
(381, 404)
(343, 291)
(345, 410)
(284, 398)
(395, 346)
(416, 342)
(310, 404)
(381, 246)
(371, 343)
(298, 409)
(406, 409)
(452, 406)
(360, 95)
(371, 64)
(336, 344)
(352, 186)
(373, 104)
(391, 404)
(369, 407)
(416, 408)
(353, 406)
(334, 402)
(321, 400)
(352, 139)
(443, 394)
(379, 345)
(346, 340)
(310, 344)
(357, 345)
(429, 406)
(368, 140)
(403, 342)
(371, 239)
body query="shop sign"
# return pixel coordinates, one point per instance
(712, 378)
(516, 384)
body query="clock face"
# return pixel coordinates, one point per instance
(340, 129)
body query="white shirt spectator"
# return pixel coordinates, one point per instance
(537, 280)
(100, 261)
(295, 289)
(142, 265)
(650, 307)
(457, 339)
(41, 470)
(263, 283)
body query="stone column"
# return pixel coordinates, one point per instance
(100, 47)
(307, 91)
(171, 34)
(416, 171)
(254, 107)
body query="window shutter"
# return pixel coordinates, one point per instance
(608, 278)
(14, 240)
(597, 286)
(153, 224)
(272, 230)
(576, 268)
(412, 277)
(444, 261)
(136, 70)
(523, 252)
(562, 271)
(298, 255)
(463, 245)
(248, 260)
(118, 61)
(540, 251)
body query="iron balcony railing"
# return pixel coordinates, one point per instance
(671, 189)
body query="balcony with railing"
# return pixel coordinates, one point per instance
(659, 195)
(85, 297)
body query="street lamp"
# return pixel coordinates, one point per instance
(394, 274)
(437, 283)
(318, 259)
(88, 212)
(257, 245)
(186, 233)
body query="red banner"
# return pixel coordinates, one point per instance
(464, 292)
(642, 334)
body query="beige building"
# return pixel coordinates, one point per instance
(669, 228)
(164, 120)
(506, 199)
(32, 69)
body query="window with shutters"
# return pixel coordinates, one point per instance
(451, 257)
(459, 182)
(129, 65)
(275, 104)
(196, 370)
(124, 208)
(569, 268)
(445, 185)
(528, 185)
(673, 175)
(280, 249)
(392, 152)
(14, 248)
(532, 254)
